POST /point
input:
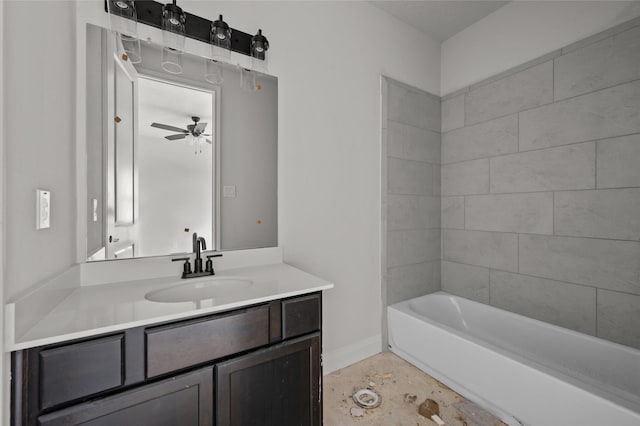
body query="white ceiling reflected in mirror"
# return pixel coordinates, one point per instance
(169, 155)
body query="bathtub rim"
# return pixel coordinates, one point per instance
(618, 396)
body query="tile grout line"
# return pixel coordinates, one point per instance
(518, 253)
(464, 212)
(518, 133)
(412, 160)
(596, 331)
(635, 241)
(613, 188)
(553, 212)
(605, 139)
(541, 278)
(553, 78)
(596, 161)
(396, 121)
(490, 286)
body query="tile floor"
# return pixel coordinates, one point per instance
(402, 387)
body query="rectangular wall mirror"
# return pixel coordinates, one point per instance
(172, 154)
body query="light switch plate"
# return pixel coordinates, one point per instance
(229, 191)
(43, 209)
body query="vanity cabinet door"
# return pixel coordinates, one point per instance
(277, 386)
(185, 400)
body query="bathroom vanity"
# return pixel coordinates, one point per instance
(126, 341)
(249, 356)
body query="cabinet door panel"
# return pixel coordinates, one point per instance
(185, 400)
(80, 369)
(278, 386)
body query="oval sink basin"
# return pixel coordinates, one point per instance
(199, 289)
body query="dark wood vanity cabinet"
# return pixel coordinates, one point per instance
(279, 385)
(181, 400)
(259, 365)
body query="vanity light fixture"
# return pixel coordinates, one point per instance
(173, 30)
(248, 81)
(177, 24)
(213, 71)
(220, 38)
(171, 60)
(126, 28)
(259, 47)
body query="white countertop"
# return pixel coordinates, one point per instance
(97, 309)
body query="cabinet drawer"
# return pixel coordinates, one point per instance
(80, 369)
(184, 344)
(300, 316)
(182, 400)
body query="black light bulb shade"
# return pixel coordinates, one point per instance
(220, 29)
(122, 5)
(123, 8)
(173, 18)
(259, 46)
(221, 34)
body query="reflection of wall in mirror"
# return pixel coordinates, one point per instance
(249, 157)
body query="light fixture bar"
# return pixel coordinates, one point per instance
(196, 27)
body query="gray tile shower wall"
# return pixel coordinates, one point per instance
(413, 192)
(541, 188)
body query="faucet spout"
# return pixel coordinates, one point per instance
(199, 244)
(194, 244)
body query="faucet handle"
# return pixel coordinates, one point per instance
(186, 268)
(209, 264)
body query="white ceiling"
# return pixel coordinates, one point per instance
(171, 104)
(439, 19)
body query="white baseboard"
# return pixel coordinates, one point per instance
(350, 354)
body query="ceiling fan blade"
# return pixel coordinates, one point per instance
(175, 137)
(170, 128)
(205, 134)
(209, 142)
(199, 128)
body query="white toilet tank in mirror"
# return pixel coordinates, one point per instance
(167, 155)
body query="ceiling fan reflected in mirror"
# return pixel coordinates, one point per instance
(195, 130)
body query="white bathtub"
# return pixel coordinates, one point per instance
(525, 371)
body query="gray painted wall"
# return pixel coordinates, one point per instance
(541, 188)
(412, 134)
(39, 75)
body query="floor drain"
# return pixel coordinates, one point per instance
(366, 398)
